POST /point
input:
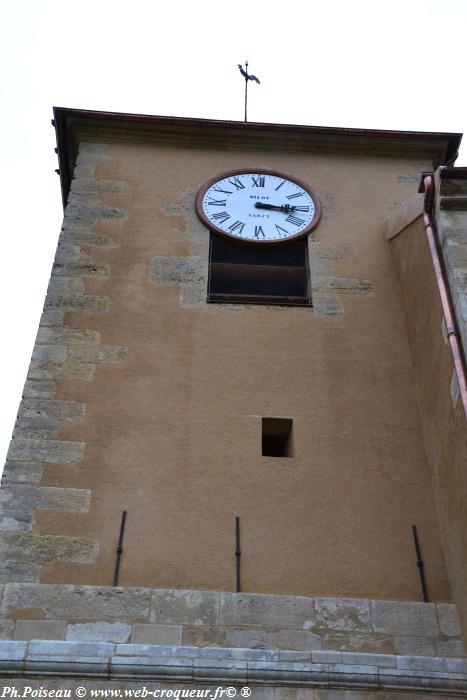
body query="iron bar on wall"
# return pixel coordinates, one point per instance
(238, 552)
(119, 549)
(421, 566)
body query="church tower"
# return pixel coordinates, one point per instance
(240, 455)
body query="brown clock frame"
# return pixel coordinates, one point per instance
(245, 171)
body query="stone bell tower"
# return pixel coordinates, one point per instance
(227, 440)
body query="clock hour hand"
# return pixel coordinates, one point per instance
(282, 207)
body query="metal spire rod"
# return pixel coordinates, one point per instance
(244, 72)
(246, 89)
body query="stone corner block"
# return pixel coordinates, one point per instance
(165, 635)
(358, 642)
(74, 602)
(27, 547)
(39, 629)
(12, 651)
(404, 618)
(293, 640)
(178, 269)
(6, 629)
(22, 473)
(209, 635)
(53, 451)
(116, 632)
(343, 614)
(185, 607)
(414, 646)
(450, 648)
(448, 619)
(249, 609)
(50, 647)
(12, 571)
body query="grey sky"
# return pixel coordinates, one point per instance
(397, 65)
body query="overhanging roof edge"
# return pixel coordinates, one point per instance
(445, 145)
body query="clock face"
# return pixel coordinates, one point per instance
(258, 206)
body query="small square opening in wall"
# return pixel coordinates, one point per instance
(277, 437)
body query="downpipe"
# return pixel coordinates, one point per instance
(444, 291)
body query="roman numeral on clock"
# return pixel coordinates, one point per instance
(297, 194)
(221, 216)
(295, 208)
(295, 220)
(259, 232)
(258, 181)
(218, 189)
(237, 183)
(237, 226)
(217, 202)
(283, 230)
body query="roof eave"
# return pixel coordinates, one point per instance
(442, 146)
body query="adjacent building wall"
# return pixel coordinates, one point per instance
(440, 407)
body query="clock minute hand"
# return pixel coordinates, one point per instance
(282, 207)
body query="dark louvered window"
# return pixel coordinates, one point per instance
(256, 274)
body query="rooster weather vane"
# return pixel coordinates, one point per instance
(247, 76)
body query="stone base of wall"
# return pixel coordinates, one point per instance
(232, 620)
(66, 636)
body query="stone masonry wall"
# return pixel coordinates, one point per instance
(61, 352)
(329, 648)
(213, 619)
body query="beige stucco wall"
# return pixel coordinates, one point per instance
(172, 430)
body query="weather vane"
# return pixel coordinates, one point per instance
(244, 72)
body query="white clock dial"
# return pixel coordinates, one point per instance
(258, 206)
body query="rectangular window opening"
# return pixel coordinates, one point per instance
(256, 274)
(277, 437)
